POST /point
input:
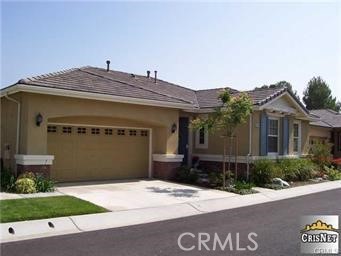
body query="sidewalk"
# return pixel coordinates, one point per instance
(82, 223)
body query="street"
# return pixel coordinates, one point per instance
(276, 225)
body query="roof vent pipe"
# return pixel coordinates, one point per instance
(148, 73)
(155, 78)
(108, 65)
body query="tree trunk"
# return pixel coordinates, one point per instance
(230, 152)
(235, 159)
(224, 163)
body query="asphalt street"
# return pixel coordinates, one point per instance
(276, 225)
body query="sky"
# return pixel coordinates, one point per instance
(197, 45)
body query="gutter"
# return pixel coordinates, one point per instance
(18, 124)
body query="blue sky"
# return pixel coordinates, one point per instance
(198, 45)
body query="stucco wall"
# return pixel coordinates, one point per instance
(320, 132)
(34, 139)
(215, 142)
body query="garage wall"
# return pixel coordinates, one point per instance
(52, 107)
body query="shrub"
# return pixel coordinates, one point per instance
(185, 174)
(239, 185)
(264, 171)
(25, 186)
(7, 180)
(298, 169)
(28, 175)
(333, 174)
(43, 184)
(216, 178)
(321, 153)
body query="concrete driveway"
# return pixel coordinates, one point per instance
(134, 194)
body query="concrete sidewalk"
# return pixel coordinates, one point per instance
(73, 224)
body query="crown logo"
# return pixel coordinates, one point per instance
(319, 225)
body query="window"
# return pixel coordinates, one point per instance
(94, 130)
(201, 138)
(67, 129)
(120, 132)
(51, 128)
(273, 136)
(144, 133)
(132, 132)
(108, 131)
(81, 130)
(296, 137)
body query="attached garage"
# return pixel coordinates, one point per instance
(98, 152)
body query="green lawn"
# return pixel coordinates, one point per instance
(45, 207)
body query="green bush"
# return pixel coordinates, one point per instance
(7, 180)
(321, 153)
(264, 171)
(28, 175)
(25, 186)
(43, 184)
(216, 178)
(185, 174)
(239, 185)
(333, 174)
(298, 169)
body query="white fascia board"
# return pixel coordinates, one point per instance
(306, 115)
(34, 159)
(167, 158)
(92, 96)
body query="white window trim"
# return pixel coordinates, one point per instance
(197, 139)
(273, 153)
(299, 138)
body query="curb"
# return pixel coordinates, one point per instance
(82, 223)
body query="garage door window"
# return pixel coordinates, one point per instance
(132, 132)
(95, 131)
(108, 131)
(120, 132)
(144, 133)
(52, 129)
(81, 130)
(67, 129)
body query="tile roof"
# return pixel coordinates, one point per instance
(96, 80)
(116, 83)
(327, 118)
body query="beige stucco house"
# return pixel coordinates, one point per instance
(91, 124)
(326, 128)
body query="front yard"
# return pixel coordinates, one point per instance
(45, 207)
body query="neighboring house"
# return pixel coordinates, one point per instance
(327, 128)
(90, 124)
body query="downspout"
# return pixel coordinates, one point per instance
(250, 149)
(18, 125)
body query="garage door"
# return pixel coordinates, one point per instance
(97, 153)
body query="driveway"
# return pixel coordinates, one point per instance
(134, 194)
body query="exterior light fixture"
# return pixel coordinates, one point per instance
(174, 127)
(39, 119)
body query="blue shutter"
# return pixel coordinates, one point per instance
(285, 132)
(263, 138)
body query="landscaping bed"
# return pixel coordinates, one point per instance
(45, 207)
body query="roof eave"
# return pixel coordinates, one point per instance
(92, 96)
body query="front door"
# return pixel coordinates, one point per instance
(183, 138)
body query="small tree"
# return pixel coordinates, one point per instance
(225, 119)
